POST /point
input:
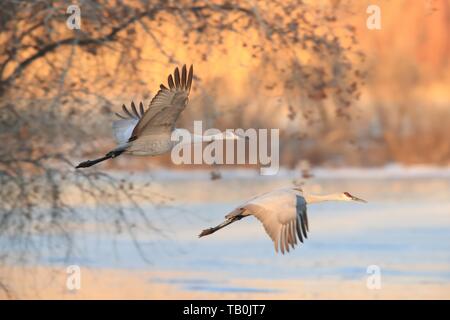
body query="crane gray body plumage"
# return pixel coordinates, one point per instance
(282, 213)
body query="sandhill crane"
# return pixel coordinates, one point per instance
(282, 213)
(149, 132)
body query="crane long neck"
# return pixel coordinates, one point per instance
(209, 138)
(311, 198)
(198, 138)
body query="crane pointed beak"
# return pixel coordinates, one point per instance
(358, 199)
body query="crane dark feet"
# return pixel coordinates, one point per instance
(207, 232)
(109, 155)
(86, 164)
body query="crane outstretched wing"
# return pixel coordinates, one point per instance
(166, 106)
(162, 113)
(124, 127)
(283, 216)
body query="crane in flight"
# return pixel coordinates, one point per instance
(282, 213)
(149, 132)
